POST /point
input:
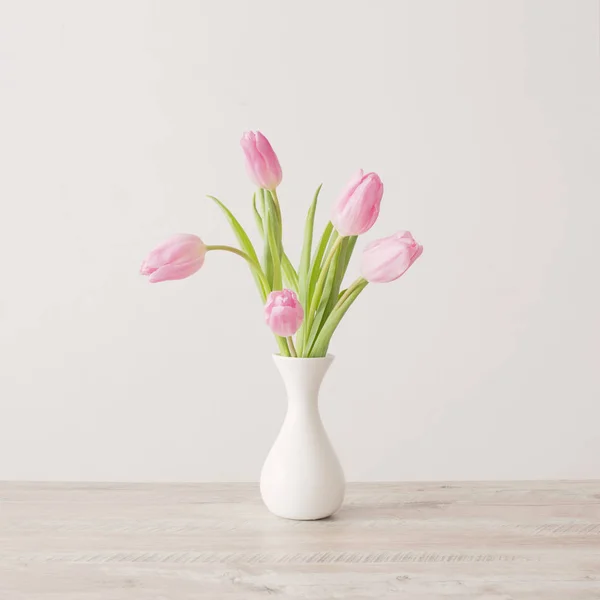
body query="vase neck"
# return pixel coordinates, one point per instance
(302, 378)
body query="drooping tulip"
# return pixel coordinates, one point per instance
(387, 259)
(262, 163)
(357, 208)
(176, 258)
(283, 312)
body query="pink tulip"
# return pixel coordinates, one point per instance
(357, 208)
(388, 258)
(176, 258)
(283, 312)
(261, 161)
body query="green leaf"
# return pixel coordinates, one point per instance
(241, 235)
(260, 225)
(337, 280)
(289, 273)
(316, 286)
(342, 266)
(318, 259)
(320, 313)
(331, 291)
(322, 342)
(303, 270)
(243, 239)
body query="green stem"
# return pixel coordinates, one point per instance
(284, 349)
(253, 265)
(289, 273)
(304, 267)
(329, 258)
(359, 281)
(257, 215)
(314, 303)
(266, 288)
(315, 265)
(322, 342)
(276, 203)
(267, 258)
(290, 342)
(273, 239)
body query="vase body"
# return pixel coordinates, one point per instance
(302, 477)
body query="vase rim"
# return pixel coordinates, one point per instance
(315, 358)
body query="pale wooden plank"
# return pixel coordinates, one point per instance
(127, 541)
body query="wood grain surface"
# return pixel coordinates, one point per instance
(413, 541)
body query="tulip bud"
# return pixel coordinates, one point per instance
(357, 208)
(388, 258)
(176, 258)
(283, 312)
(261, 161)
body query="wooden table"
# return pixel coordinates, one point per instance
(413, 541)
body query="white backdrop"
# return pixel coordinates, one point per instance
(483, 120)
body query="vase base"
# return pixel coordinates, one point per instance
(290, 505)
(303, 516)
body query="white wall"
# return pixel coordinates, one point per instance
(483, 120)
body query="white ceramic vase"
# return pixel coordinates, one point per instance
(302, 477)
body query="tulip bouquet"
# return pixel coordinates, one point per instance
(308, 302)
